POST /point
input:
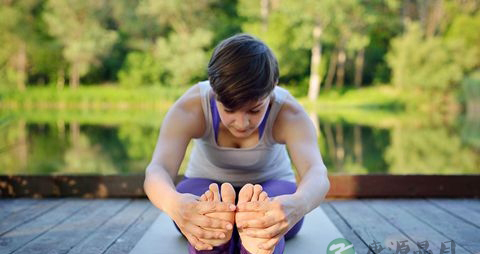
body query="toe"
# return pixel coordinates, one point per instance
(228, 193)
(263, 196)
(257, 189)
(246, 193)
(214, 189)
(209, 195)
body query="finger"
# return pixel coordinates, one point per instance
(196, 243)
(199, 232)
(203, 197)
(253, 206)
(209, 222)
(266, 233)
(263, 222)
(210, 207)
(270, 244)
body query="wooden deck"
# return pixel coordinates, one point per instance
(75, 225)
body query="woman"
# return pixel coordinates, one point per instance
(242, 124)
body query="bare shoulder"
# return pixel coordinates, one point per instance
(190, 111)
(290, 117)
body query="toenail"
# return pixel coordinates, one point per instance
(229, 226)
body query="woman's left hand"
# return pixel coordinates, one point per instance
(280, 214)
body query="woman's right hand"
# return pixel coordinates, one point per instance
(188, 212)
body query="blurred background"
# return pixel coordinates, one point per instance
(392, 86)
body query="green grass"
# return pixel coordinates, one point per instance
(385, 97)
(96, 96)
(100, 97)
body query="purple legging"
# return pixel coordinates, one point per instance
(273, 188)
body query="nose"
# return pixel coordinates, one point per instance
(242, 121)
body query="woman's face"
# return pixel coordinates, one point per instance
(243, 122)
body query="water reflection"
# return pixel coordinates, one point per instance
(352, 148)
(349, 144)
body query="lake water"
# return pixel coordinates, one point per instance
(351, 141)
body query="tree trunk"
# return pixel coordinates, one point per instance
(407, 12)
(422, 9)
(264, 5)
(314, 117)
(60, 79)
(359, 60)
(342, 57)
(21, 66)
(332, 67)
(61, 129)
(357, 147)
(330, 144)
(435, 13)
(340, 149)
(74, 133)
(74, 76)
(314, 85)
(22, 148)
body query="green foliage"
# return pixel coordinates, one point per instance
(21, 37)
(464, 28)
(77, 25)
(183, 56)
(140, 69)
(428, 64)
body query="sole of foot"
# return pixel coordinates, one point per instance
(228, 196)
(251, 193)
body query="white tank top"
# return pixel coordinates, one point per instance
(238, 166)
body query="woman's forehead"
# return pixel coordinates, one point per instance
(254, 103)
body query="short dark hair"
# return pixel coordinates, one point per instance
(242, 69)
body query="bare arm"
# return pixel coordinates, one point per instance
(175, 134)
(183, 122)
(299, 134)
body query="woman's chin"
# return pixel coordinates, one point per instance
(241, 134)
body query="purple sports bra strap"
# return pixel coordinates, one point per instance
(216, 119)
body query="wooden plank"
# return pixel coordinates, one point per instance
(126, 242)
(27, 232)
(10, 206)
(473, 204)
(16, 219)
(109, 232)
(64, 236)
(451, 227)
(458, 209)
(413, 227)
(344, 228)
(369, 225)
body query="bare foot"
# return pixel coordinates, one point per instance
(251, 193)
(228, 196)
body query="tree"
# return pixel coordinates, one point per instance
(429, 64)
(77, 25)
(18, 38)
(180, 51)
